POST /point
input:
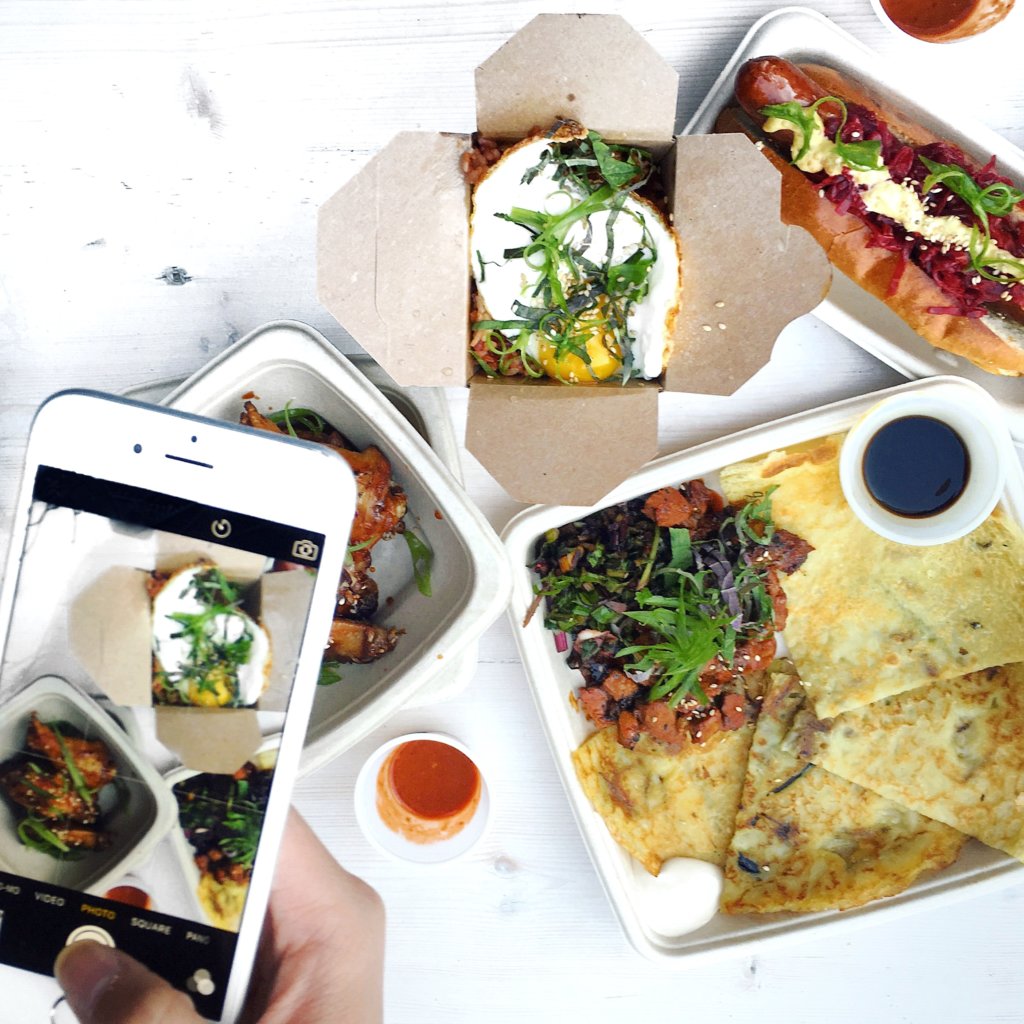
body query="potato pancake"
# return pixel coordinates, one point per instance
(807, 840)
(869, 617)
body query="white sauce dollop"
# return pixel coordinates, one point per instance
(683, 897)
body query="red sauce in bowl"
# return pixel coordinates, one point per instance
(941, 20)
(427, 790)
(130, 895)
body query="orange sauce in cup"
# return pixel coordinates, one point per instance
(427, 791)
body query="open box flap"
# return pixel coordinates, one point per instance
(592, 68)
(393, 259)
(216, 740)
(548, 443)
(745, 273)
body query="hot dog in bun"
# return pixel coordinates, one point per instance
(908, 216)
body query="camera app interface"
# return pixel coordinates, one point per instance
(143, 690)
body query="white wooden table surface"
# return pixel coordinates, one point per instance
(144, 134)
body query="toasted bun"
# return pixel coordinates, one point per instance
(993, 343)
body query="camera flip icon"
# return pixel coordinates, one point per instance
(306, 550)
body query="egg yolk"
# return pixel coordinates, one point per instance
(217, 691)
(604, 361)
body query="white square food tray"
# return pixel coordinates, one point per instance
(287, 361)
(805, 36)
(551, 681)
(427, 412)
(137, 821)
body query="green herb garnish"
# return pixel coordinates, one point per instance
(35, 834)
(304, 419)
(84, 792)
(422, 561)
(865, 155)
(997, 200)
(330, 673)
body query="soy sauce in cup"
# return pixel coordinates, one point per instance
(916, 466)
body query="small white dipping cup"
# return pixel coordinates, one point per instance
(979, 422)
(395, 845)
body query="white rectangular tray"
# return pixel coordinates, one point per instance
(287, 361)
(805, 36)
(551, 681)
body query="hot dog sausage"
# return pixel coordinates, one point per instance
(767, 80)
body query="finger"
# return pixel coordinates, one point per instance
(106, 986)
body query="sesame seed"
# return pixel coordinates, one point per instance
(764, 867)
(1006, 295)
(721, 327)
(699, 734)
(821, 193)
(976, 279)
(706, 327)
(719, 304)
(854, 135)
(757, 657)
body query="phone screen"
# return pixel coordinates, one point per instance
(146, 677)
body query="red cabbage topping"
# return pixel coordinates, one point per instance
(950, 270)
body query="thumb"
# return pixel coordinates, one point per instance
(106, 986)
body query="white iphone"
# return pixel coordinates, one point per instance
(166, 601)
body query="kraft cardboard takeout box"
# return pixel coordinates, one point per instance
(110, 630)
(394, 262)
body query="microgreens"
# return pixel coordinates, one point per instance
(212, 657)
(618, 573)
(576, 298)
(690, 638)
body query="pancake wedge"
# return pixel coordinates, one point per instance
(659, 803)
(869, 617)
(807, 840)
(953, 750)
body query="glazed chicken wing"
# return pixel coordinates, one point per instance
(49, 795)
(90, 757)
(353, 641)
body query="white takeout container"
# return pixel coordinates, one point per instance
(397, 847)
(977, 421)
(137, 819)
(427, 412)
(288, 361)
(265, 757)
(806, 36)
(626, 883)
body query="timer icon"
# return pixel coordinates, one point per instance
(221, 528)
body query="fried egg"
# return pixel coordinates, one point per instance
(224, 682)
(596, 240)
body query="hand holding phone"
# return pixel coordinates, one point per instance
(167, 599)
(321, 960)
